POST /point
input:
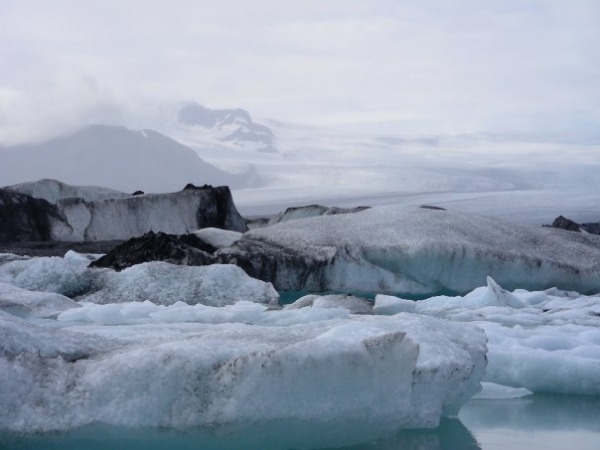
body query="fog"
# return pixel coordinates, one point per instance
(411, 67)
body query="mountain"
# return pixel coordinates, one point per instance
(230, 126)
(114, 157)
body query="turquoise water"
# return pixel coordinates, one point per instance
(534, 422)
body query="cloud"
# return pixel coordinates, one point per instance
(427, 66)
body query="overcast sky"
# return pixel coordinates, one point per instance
(415, 66)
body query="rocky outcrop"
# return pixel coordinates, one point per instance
(25, 218)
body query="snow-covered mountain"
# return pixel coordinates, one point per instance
(115, 157)
(233, 127)
(275, 165)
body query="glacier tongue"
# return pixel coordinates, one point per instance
(401, 371)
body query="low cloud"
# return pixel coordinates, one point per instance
(432, 66)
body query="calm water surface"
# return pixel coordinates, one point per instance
(535, 422)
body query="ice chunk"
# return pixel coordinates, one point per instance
(21, 340)
(401, 371)
(132, 313)
(19, 301)
(68, 277)
(549, 343)
(158, 282)
(559, 359)
(217, 237)
(80, 258)
(353, 304)
(8, 257)
(165, 284)
(388, 305)
(498, 391)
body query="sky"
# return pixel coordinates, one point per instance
(389, 66)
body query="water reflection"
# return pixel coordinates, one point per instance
(538, 421)
(451, 434)
(551, 422)
(535, 412)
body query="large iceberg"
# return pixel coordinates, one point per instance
(415, 251)
(401, 371)
(25, 218)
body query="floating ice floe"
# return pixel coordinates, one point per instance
(546, 341)
(401, 371)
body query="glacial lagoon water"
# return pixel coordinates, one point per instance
(549, 422)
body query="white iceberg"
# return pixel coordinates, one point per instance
(159, 282)
(217, 237)
(165, 284)
(401, 371)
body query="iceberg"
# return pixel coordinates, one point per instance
(108, 217)
(159, 282)
(401, 371)
(415, 251)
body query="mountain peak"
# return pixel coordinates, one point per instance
(228, 125)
